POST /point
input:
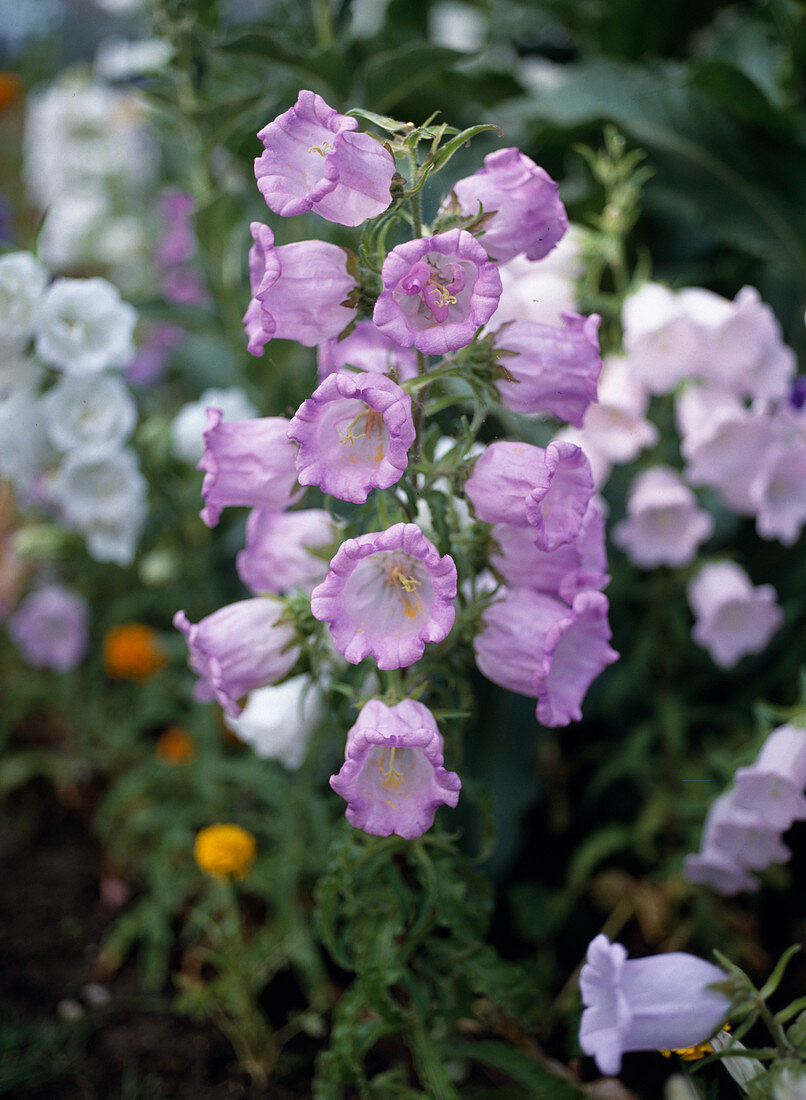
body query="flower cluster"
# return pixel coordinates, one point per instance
(742, 831)
(390, 590)
(63, 432)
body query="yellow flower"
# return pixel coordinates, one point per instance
(692, 1054)
(132, 651)
(224, 850)
(175, 746)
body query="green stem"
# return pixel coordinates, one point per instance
(323, 24)
(414, 199)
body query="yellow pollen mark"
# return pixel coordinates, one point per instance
(392, 778)
(411, 606)
(322, 150)
(445, 296)
(692, 1054)
(373, 425)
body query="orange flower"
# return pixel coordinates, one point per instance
(10, 89)
(175, 746)
(224, 850)
(132, 651)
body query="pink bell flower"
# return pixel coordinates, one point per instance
(298, 291)
(354, 433)
(281, 549)
(437, 291)
(393, 779)
(250, 463)
(387, 593)
(732, 618)
(662, 1002)
(525, 214)
(314, 160)
(366, 348)
(664, 524)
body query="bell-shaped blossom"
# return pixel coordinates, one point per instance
(387, 593)
(540, 290)
(151, 360)
(779, 493)
(537, 646)
(729, 454)
(664, 525)
(772, 787)
(298, 291)
(187, 429)
(366, 348)
(114, 537)
(83, 326)
(718, 870)
(662, 1002)
(548, 490)
(248, 463)
(393, 778)
(615, 428)
(354, 433)
(744, 836)
(24, 445)
(436, 292)
(314, 160)
(22, 284)
(732, 617)
(97, 484)
(695, 333)
(239, 648)
(281, 549)
(278, 720)
(522, 204)
(563, 572)
(50, 628)
(86, 411)
(553, 369)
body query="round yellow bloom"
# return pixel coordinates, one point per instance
(224, 850)
(175, 746)
(132, 651)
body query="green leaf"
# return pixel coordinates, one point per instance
(444, 154)
(744, 188)
(774, 979)
(390, 76)
(540, 1082)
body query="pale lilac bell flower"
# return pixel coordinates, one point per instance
(522, 201)
(664, 524)
(393, 778)
(241, 647)
(281, 549)
(773, 786)
(315, 160)
(615, 426)
(354, 433)
(437, 291)
(298, 291)
(386, 595)
(50, 628)
(541, 290)
(547, 490)
(247, 463)
(366, 348)
(732, 617)
(553, 369)
(661, 1002)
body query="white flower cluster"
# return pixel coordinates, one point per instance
(90, 162)
(72, 431)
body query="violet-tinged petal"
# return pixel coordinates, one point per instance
(537, 646)
(525, 214)
(563, 572)
(719, 871)
(503, 476)
(772, 787)
(239, 648)
(50, 628)
(298, 291)
(280, 552)
(660, 1002)
(449, 273)
(366, 348)
(562, 492)
(732, 618)
(554, 369)
(313, 160)
(393, 778)
(250, 463)
(354, 434)
(387, 593)
(664, 525)
(575, 652)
